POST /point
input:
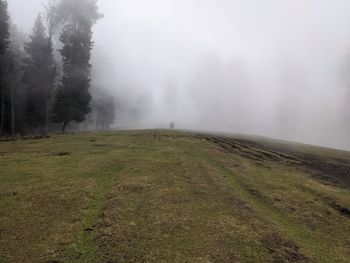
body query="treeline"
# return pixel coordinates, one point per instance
(45, 78)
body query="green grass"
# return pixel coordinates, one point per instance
(160, 196)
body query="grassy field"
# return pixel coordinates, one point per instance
(160, 196)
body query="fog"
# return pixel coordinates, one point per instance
(277, 68)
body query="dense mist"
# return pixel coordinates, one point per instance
(273, 68)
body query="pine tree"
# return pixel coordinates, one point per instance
(4, 27)
(73, 96)
(52, 22)
(103, 108)
(39, 76)
(14, 77)
(4, 43)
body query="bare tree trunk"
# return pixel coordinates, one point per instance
(2, 114)
(12, 102)
(65, 123)
(46, 128)
(52, 24)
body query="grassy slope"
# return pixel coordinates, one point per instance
(154, 196)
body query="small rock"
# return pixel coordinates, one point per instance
(61, 154)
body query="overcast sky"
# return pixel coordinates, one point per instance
(274, 67)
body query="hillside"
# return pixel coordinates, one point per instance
(160, 196)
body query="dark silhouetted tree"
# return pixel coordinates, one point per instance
(14, 76)
(39, 76)
(72, 96)
(103, 107)
(52, 22)
(4, 27)
(4, 43)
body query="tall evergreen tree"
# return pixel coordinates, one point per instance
(14, 76)
(4, 43)
(52, 22)
(103, 109)
(73, 96)
(39, 76)
(4, 27)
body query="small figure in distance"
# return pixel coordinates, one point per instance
(172, 125)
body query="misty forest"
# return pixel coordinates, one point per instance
(209, 131)
(46, 76)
